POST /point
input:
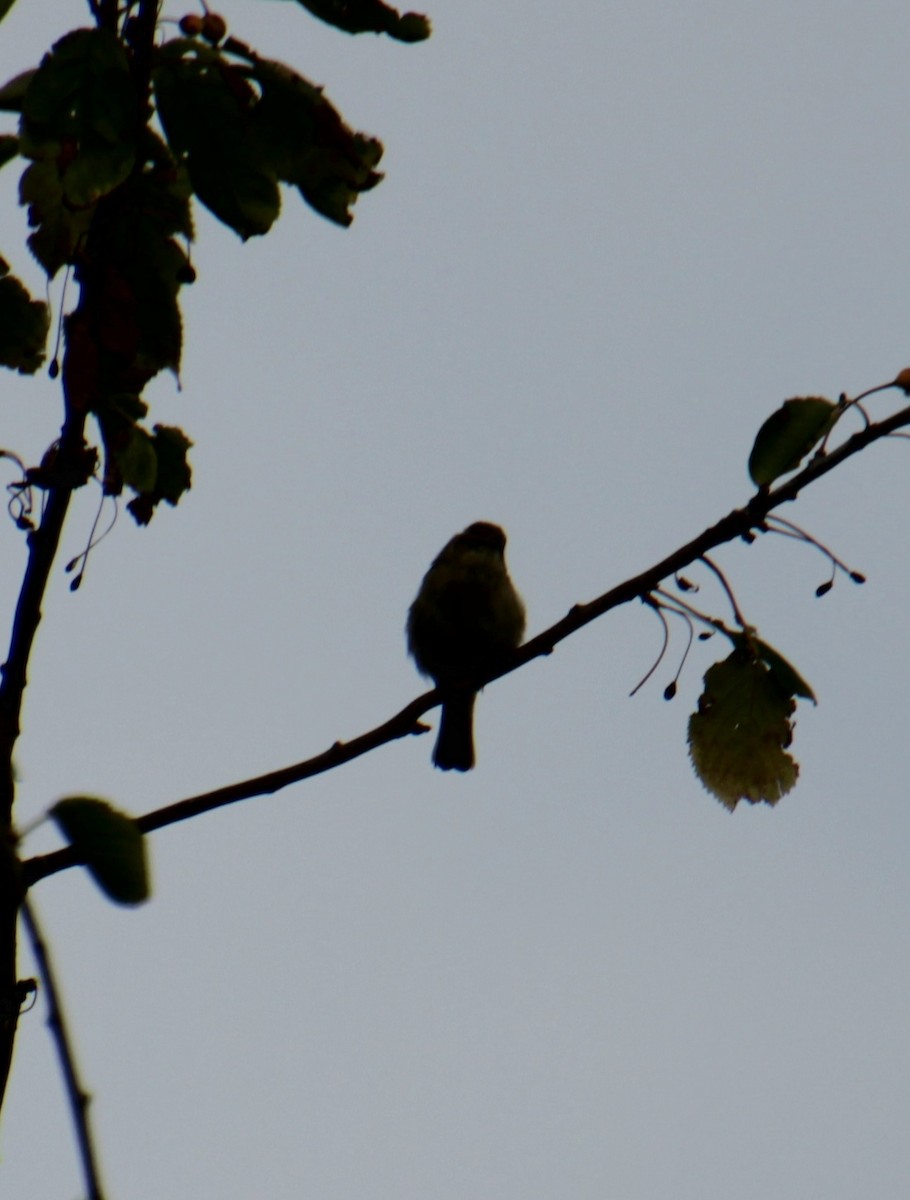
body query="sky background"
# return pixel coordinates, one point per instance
(611, 240)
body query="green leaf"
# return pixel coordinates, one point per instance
(148, 267)
(370, 16)
(138, 461)
(12, 93)
(152, 464)
(109, 842)
(124, 409)
(58, 228)
(9, 148)
(205, 105)
(788, 435)
(784, 673)
(173, 478)
(79, 111)
(96, 171)
(81, 87)
(307, 143)
(739, 736)
(174, 474)
(24, 325)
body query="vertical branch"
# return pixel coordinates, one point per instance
(42, 550)
(79, 1099)
(105, 13)
(91, 369)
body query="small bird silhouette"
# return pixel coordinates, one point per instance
(465, 620)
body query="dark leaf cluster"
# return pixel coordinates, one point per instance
(232, 127)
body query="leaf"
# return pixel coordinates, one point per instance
(144, 279)
(9, 148)
(138, 461)
(739, 736)
(370, 16)
(205, 106)
(110, 843)
(5, 6)
(153, 464)
(788, 435)
(308, 144)
(79, 112)
(174, 475)
(24, 325)
(12, 93)
(58, 228)
(785, 675)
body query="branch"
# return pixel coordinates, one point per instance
(42, 549)
(92, 366)
(79, 1099)
(737, 523)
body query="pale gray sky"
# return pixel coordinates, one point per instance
(610, 241)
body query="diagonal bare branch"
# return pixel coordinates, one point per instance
(78, 1097)
(737, 523)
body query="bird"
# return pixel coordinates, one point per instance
(465, 620)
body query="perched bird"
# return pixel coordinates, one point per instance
(466, 618)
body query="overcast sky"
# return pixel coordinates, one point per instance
(611, 239)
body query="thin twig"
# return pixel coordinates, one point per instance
(725, 584)
(687, 610)
(656, 609)
(78, 1097)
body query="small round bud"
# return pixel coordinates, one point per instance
(214, 27)
(191, 24)
(413, 27)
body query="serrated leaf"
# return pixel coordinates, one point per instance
(24, 325)
(739, 736)
(146, 326)
(9, 148)
(81, 86)
(205, 106)
(174, 474)
(788, 435)
(58, 228)
(96, 171)
(138, 461)
(110, 843)
(12, 93)
(79, 112)
(307, 143)
(784, 673)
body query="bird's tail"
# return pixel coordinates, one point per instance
(455, 743)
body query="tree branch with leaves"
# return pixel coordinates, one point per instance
(121, 128)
